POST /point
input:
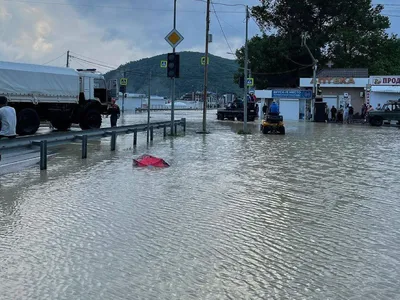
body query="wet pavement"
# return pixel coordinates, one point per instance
(313, 214)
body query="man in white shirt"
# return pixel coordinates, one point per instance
(8, 119)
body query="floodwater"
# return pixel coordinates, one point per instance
(313, 214)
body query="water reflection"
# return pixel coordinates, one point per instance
(309, 215)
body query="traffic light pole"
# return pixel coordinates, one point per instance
(315, 62)
(204, 129)
(246, 58)
(173, 83)
(123, 96)
(148, 109)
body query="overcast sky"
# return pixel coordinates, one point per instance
(117, 31)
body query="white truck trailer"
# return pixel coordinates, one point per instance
(62, 96)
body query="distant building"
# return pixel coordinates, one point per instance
(197, 97)
(133, 101)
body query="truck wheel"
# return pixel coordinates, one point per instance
(91, 120)
(281, 130)
(61, 125)
(220, 116)
(240, 117)
(376, 121)
(251, 119)
(266, 129)
(28, 122)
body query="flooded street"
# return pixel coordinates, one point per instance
(314, 214)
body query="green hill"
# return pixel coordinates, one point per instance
(220, 75)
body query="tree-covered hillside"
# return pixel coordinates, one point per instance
(220, 75)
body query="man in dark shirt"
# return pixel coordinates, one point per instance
(114, 112)
(333, 113)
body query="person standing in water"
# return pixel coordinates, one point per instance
(8, 119)
(114, 112)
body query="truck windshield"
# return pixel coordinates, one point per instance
(99, 84)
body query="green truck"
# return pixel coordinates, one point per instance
(390, 111)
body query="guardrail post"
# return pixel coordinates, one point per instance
(165, 130)
(176, 128)
(135, 137)
(84, 146)
(183, 120)
(113, 140)
(43, 153)
(151, 133)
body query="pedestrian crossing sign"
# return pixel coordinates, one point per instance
(163, 64)
(250, 81)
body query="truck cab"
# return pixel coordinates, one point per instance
(94, 97)
(93, 86)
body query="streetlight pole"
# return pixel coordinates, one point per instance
(246, 58)
(315, 67)
(148, 109)
(123, 96)
(206, 69)
(173, 82)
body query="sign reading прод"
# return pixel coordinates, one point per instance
(385, 80)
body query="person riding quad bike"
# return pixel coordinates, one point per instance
(273, 122)
(274, 109)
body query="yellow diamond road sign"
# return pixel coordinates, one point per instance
(174, 38)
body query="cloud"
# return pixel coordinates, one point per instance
(113, 32)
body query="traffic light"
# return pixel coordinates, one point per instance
(122, 89)
(173, 65)
(241, 82)
(319, 91)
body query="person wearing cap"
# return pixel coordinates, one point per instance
(8, 119)
(114, 112)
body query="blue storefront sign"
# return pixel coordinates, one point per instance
(292, 94)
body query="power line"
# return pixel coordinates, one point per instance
(93, 63)
(216, 15)
(54, 59)
(92, 59)
(224, 4)
(113, 7)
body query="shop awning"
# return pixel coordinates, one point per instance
(385, 89)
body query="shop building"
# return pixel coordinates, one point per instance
(292, 102)
(382, 88)
(341, 86)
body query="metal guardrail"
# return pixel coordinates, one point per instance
(66, 137)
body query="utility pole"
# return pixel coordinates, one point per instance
(206, 70)
(148, 109)
(246, 58)
(315, 67)
(173, 83)
(123, 96)
(68, 59)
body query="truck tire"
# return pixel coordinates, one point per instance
(240, 117)
(28, 122)
(251, 119)
(220, 116)
(91, 119)
(61, 125)
(376, 121)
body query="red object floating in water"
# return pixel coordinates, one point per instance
(150, 161)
